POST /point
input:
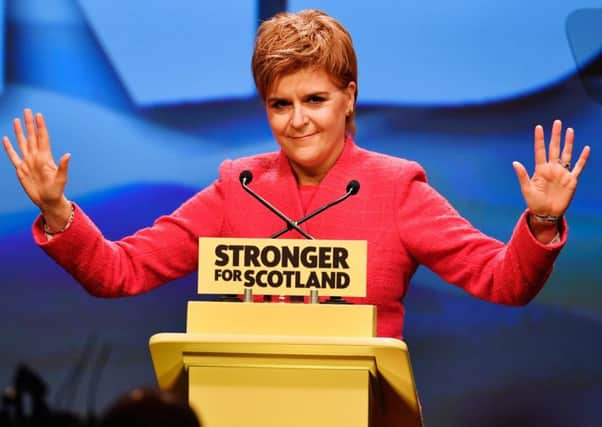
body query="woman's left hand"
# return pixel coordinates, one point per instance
(551, 188)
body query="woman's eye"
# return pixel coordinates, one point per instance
(279, 104)
(315, 99)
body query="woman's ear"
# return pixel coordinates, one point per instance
(350, 91)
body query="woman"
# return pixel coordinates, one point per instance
(305, 71)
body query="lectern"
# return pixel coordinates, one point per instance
(287, 364)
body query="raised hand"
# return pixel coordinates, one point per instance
(41, 178)
(548, 193)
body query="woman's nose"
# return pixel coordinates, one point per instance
(299, 118)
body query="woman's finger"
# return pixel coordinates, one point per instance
(10, 151)
(43, 138)
(555, 141)
(581, 162)
(63, 168)
(521, 174)
(567, 150)
(539, 146)
(21, 139)
(31, 130)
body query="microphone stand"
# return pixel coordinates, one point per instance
(352, 189)
(246, 178)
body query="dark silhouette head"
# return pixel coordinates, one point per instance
(149, 407)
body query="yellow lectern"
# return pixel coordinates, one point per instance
(275, 375)
(287, 364)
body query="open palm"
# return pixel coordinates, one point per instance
(551, 188)
(42, 179)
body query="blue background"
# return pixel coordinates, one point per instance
(149, 98)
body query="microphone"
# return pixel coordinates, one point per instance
(353, 187)
(245, 178)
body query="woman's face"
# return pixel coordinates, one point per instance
(307, 115)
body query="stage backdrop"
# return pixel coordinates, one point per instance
(150, 97)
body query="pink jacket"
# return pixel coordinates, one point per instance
(404, 220)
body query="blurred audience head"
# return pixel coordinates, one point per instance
(149, 407)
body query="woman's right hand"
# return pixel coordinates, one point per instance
(41, 178)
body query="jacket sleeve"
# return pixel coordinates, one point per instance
(152, 256)
(442, 240)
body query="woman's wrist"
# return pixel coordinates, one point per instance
(546, 219)
(544, 227)
(57, 219)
